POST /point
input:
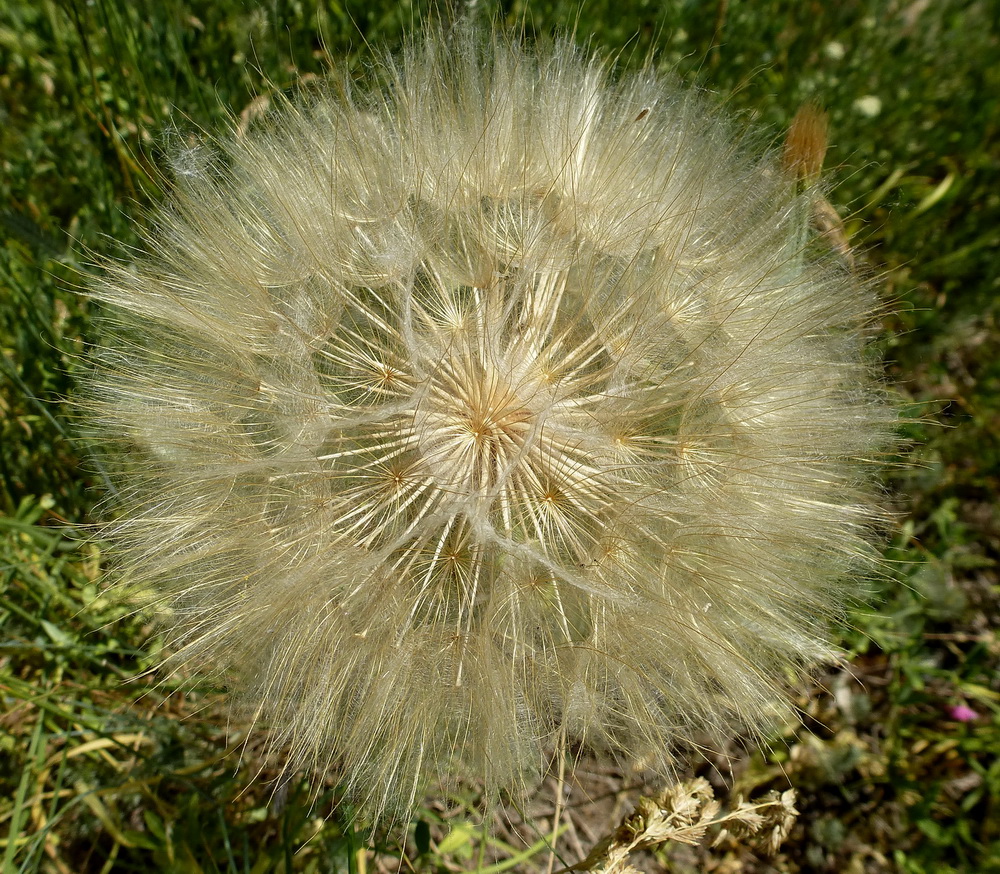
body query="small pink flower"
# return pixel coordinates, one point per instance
(962, 713)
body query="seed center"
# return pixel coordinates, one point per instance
(472, 426)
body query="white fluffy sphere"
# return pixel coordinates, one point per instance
(501, 406)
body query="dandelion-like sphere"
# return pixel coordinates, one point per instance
(502, 406)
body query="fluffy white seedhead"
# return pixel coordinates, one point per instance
(498, 406)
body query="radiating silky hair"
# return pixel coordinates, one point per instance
(502, 404)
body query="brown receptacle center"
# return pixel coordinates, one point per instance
(471, 425)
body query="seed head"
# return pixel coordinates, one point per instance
(501, 405)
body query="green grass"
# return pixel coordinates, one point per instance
(107, 768)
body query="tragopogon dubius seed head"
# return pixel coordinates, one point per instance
(505, 404)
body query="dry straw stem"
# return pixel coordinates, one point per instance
(685, 813)
(502, 402)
